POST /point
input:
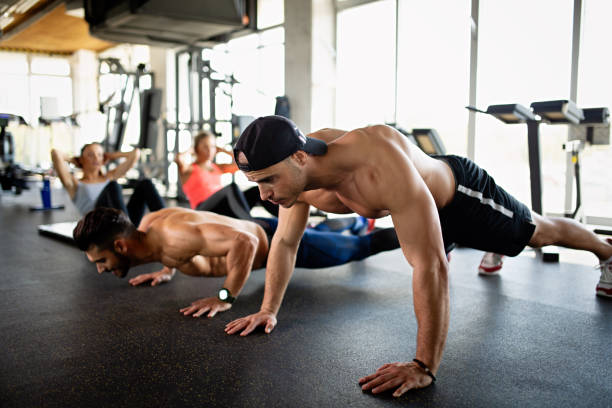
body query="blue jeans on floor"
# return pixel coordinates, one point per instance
(321, 249)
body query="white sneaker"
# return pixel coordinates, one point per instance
(604, 287)
(490, 264)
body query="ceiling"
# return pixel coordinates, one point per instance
(45, 26)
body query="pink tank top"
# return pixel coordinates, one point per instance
(201, 184)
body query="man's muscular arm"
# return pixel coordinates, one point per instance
(413, 210)
(281, 261)
(214, 240)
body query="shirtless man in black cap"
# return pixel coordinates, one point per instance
(433, 201)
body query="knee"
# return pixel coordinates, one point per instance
(546, 233)
(114, 186)
(144, 183)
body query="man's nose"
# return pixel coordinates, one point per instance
(100, 268)
(264, 193)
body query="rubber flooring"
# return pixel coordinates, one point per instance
(535, 336)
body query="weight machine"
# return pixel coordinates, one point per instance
(209, 94)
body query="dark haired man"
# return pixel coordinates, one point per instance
(200, 243)
(433, 201)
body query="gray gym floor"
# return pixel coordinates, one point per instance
(535, 336)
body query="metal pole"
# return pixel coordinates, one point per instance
(535, 175)
(200, 104)
(177, 99)
(569, 165)
(396, 59)
(471, 145)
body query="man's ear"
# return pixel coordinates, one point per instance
(120, 245)
(300, 157)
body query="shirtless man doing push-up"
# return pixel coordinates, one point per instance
(201, 243)
(375, 171)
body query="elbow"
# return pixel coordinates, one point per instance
(56, 158)
(248, 243)
(443, 270)
(435, 270)
(136, 154)
(441, 267)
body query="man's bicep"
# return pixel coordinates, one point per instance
(418, 230)
(416, 220)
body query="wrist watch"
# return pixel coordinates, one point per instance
(225, 296)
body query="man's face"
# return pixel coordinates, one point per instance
(281, 183)
(108, 260)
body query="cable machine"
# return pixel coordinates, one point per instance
(210, 100)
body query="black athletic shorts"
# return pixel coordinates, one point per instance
(483, 215)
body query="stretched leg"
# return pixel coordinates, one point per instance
(354, 224)
(320, 249)
(238, 203)
(383, 240)
(145, 195)
(112, 197)
(253, 198)
(226, 202)
(568, 233)
(216, 203)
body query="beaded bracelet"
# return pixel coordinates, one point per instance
(425, 368)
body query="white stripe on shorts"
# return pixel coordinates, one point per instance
(486, 201)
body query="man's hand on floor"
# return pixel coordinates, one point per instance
(251, 322)
(399, 376)
(212, 305)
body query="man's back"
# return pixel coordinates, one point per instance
(371, 166)
(170, 228)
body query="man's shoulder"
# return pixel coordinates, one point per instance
(327, 135)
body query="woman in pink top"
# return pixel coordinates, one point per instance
(201, 182)
(202, 178)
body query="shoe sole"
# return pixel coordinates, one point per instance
(604, 289)
(488, 271)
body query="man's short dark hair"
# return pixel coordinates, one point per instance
(100, 227)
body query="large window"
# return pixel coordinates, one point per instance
(433, 68)
(33, 86)
(14, 87)
(365, 65)
(256, 61)
(26, 80)
(595, 90)
(524, 56)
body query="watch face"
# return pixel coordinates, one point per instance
(223, 294)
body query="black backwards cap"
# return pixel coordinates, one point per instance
(270, 139)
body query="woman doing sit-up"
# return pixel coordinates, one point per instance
(99, 188)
